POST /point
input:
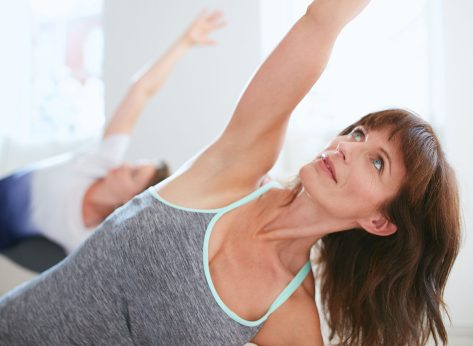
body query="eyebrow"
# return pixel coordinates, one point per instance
(389, 158)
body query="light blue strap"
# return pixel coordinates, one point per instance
(248, 198)
(283, 296)
(290, 289)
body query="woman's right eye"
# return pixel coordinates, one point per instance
(358, 135)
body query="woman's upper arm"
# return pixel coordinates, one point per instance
(256, 130)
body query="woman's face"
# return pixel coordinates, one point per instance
(355, 174)
(126, 181)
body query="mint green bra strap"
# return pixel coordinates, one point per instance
(301, 275)
(289, 290)
(248, 198)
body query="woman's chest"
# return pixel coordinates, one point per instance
(246, 285)
(251, 293)
(246, 272)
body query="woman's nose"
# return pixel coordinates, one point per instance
(125, 167)
(344, 151)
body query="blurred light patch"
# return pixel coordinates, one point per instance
(67, 54)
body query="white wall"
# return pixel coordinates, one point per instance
(15, 36)
(459, 146)
(15, 69)
(198, 100)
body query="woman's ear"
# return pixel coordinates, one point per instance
(378, 225)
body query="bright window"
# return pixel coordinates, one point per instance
(67, 97)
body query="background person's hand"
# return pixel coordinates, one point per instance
(200, 29)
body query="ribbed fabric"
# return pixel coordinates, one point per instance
(142, 278)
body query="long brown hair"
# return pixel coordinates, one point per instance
(389, 290)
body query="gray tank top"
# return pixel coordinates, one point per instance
(142, 278)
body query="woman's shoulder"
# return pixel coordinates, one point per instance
(213, 178)
(196, 190)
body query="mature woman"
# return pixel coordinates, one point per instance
(212, 256)
(64, 199)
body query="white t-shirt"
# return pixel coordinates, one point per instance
(59, 185)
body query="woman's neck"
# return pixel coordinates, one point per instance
(291, 230)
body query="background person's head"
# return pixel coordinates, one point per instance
(389, 290)
(126, 181)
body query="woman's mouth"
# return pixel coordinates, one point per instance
(328, 165)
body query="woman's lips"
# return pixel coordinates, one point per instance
(328, 165)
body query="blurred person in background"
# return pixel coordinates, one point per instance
(66, 197)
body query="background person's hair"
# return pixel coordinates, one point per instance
(389, 290)
(162, 172)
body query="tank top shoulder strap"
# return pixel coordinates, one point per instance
(291, 287)
(222, 210)
(250, 197)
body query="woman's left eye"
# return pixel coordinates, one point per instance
(378, 164)
(358, 135)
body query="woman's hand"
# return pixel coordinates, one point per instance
(202, 27)
(336, 13)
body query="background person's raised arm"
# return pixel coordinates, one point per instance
(153, 76)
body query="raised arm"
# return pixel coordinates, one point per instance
(253, 137)
(152, 77)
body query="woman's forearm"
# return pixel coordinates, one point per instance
(296, 63)
(258, 125)
(257, 128)
(290, 71)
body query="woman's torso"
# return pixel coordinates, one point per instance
(142, 277)
(247, 278)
